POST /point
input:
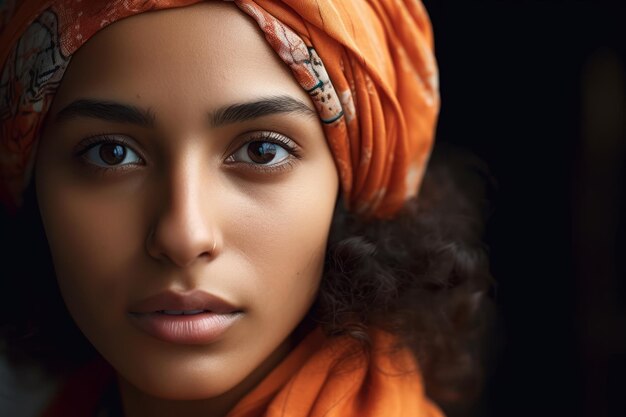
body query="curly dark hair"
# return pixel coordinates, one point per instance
(422, 275)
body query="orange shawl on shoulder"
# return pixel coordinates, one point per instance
(322, 376)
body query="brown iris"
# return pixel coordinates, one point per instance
(261, 152)
(112, 153)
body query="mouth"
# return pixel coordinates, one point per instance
(190, 318)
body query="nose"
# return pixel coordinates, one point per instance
(184, 230)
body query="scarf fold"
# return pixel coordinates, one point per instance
(368, 66)
(320, 378)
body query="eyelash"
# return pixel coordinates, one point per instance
(269, 137)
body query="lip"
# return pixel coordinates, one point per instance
(192, 329)
(191, 300)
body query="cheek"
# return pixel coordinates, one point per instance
(285, 237)
(93, 241)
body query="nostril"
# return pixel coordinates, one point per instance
(209, 253)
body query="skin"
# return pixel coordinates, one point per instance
(185, 209)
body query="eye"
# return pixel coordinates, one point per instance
(107, 152)
(264, 153)
(269, 149)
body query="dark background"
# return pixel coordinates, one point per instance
(537, 90)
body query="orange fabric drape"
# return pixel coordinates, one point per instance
(368, 66)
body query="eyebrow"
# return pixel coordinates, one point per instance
(263, 107)
(107, 110)
(239, 112)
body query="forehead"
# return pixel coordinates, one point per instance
(206, 55)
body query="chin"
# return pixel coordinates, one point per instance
(183, 386)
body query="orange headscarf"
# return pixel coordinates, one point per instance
(320, 378)
(368, 65)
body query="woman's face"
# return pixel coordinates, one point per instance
(181, 155)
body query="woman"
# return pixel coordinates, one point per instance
(190, 165)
